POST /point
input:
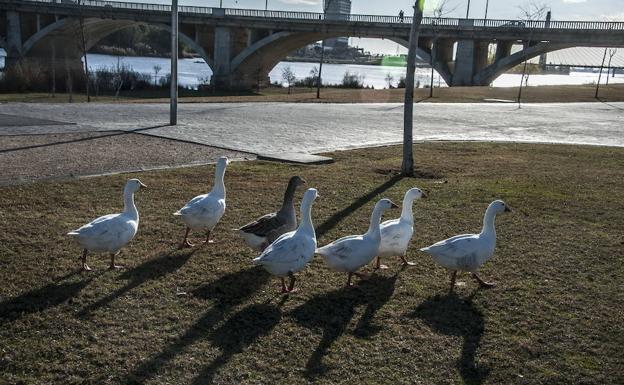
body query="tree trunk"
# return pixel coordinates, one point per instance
(407, 168)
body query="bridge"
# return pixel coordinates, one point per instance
(242, 45)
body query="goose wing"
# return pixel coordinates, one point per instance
(264, 225)
(287, 249)
(455, 247)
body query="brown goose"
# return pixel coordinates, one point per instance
(262, 232)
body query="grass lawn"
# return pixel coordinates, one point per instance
(534, 94)
(206, 315)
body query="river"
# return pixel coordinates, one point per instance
(193, 72)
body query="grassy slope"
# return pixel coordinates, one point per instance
(540, 94)
(555, 317)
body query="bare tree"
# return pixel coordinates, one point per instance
(326, 4)
(407, 168)
(389, 80)
(84, 49)
(612, 52)
(288, 76)
(530, 11)
(157, 69)
(441, 10)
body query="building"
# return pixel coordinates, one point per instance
(336, 10)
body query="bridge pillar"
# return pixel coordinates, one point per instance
(14, 38)
(222, 57)
(464, 63)
(503, 49)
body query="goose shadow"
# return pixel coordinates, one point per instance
(38, 300)
(454, 316)
(226, 292)
(152, 269)
(339, 216)
(332, 313)
(240, 331)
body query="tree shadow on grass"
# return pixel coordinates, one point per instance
(454, 316)
(227, 292)
(332, 313)
(38, 300)
(152, 269)
(238, 333)
(338, 217)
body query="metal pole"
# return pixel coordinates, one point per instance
(173, 111)
(600, 74)
(266, 5)
(468, 9)
(487, 4)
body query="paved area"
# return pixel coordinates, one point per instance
(25, 158)
(311, 128)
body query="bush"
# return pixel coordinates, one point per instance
(350, 80)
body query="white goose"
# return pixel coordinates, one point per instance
(292, 251)
(468, 252)
(397, 233)
(204, 211)
(110, 233)
(350, 253)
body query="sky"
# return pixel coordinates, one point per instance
(598, 10)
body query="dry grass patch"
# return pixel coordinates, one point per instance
(207, 316)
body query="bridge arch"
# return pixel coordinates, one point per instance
(64, 31)
(253, 64)
(487, 75)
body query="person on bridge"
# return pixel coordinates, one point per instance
(401, 16)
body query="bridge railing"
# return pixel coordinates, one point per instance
(427, 21)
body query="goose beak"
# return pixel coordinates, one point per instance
(507, 209)
(142, 185)
(393, 205)
(303, 181)
(424, 195)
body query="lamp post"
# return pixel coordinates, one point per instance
(468, 9)
(487, 4)
(320, 73)
(266, 5)
(173, 107)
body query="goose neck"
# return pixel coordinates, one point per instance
(129, 206)
(488, 222)
(373, 228)
(219, 186)
(306, 224)
(289, 195)
(406, 210)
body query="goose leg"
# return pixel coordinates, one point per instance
(208, 240)
(291, 285)
(349, 279)
(85, 267)
(378, 265)
(284, 289)
(185, 243)
(405, 261)
(453, 276)
(112, 264)
(482, 283)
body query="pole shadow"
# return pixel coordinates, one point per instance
(335, 219)
(38, 300)
(332, 312)
(152, 269)
(454, 316)
(107, 135)
(227, 292)
(238, 333)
